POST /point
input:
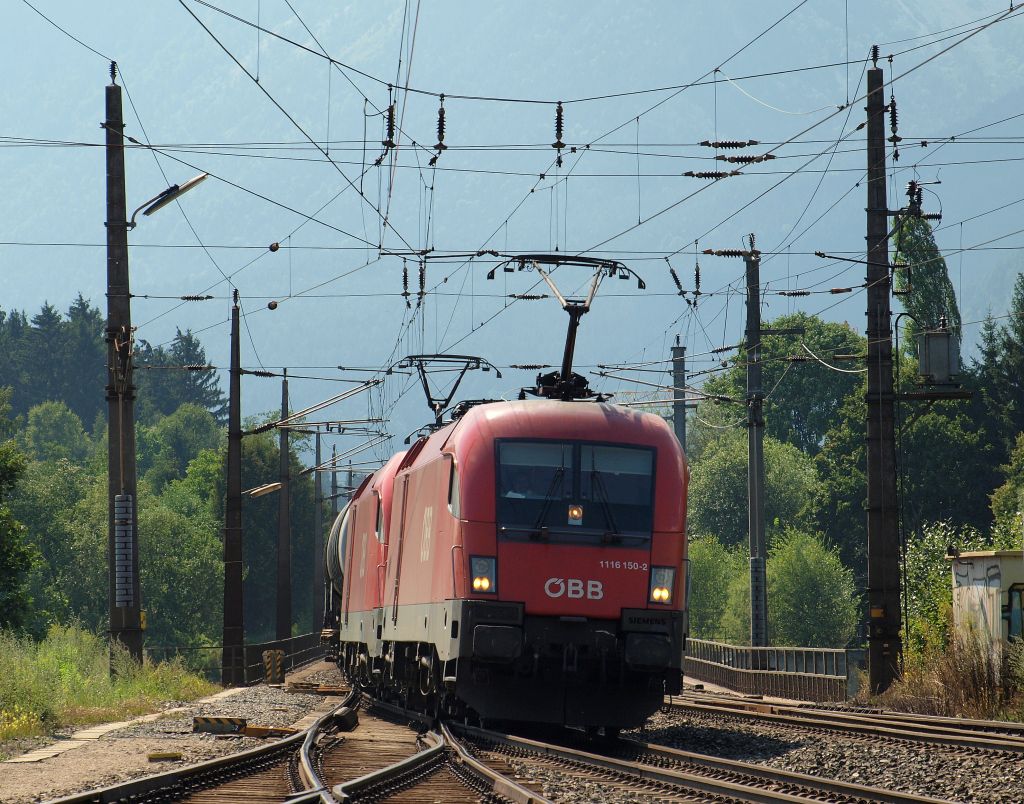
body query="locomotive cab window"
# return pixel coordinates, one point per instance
(378, 530)
(574, 491)
(453, 490)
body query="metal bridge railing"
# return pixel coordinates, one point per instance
(808, 674)
(207, 659)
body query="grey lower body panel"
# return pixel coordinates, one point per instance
(511, 666)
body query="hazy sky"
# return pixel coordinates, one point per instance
(622, 194)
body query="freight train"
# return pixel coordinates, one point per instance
(525, 561)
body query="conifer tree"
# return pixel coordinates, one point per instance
(923, 285)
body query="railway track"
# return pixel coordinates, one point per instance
(366, 750)
(639, 771)
(363, 750)
(977, 735)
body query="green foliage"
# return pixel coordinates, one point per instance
(811, 595)
(842, 471)
(812, 601)
(261, 464)
(164, 386)
(16, 556)
(182, 576)
(717, 502)
(802, 399)
(45, 500)
(927, 293)
(65, 679)
(1008, 499)
(998, 377)
(946, 472)
(54, 431)
(55, 358)
(711, 567)
(735, 625)
(166, 446)
(929, 589)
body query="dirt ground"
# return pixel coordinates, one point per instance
(123, 754)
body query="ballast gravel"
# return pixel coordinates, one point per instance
(928, 770)
(123, 754)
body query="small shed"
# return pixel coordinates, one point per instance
(988, 593)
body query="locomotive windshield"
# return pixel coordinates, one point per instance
(575, 491)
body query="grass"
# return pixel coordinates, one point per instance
(962, 678)
(65, 680)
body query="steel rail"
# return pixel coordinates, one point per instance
(833, 786)
(352, 789)
(318, 791)
(501, 785)
(447, 749)
(865, 725)
(174, 783)
(808, 788)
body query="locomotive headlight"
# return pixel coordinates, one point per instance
(484, 570)
(663, 579)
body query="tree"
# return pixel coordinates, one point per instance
(923, 286)
(945, 463)
(1008, 499)
(15, 555)
(711, 568)
(812, 600)
(928, 594)
(802, 397)
(168, 445)
(717, 502)
(200, 388)
(53, 359)
(182, 578)
(999, 374)
(811, 595)
(260, 464)
(45, 500)
(47, 357)
(164, 385)
(55, 432)
(85, 372)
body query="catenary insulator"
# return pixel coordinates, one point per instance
(440, 127)
(711, 174)
(390, 141)
(728, 143)
(745, 160)
(559, 127)
(675, 278)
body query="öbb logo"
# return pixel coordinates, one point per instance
(574, 588)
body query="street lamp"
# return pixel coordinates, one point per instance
(162, 199)
(124, 599)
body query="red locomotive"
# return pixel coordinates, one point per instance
(525, 561)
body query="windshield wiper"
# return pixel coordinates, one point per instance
(597, 483)
(555, 479)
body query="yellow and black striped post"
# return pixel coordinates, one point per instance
(273, 664)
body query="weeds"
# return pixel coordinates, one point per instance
(964, 678)
(66, 680)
